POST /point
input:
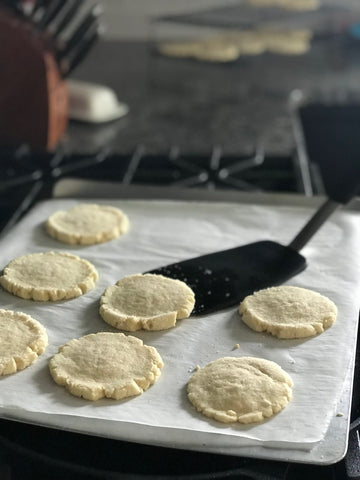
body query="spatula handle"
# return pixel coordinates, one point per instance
(313, 225)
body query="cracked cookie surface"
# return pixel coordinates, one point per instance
(106, 364)
(22, 340)
(288, 312)
(149, 302)
(240, 389)
(87, 224)
(49, 276)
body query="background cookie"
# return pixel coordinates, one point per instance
(244, 389)
(22, 340)
(48, 276)
(288, 312)
(110, 365)
(87, 224)
(150, 302)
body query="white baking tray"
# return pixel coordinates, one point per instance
(313, 428)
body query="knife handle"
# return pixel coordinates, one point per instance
(50, 12)
(80, 30)
(68, 16)
(68, 65)
(37, 6)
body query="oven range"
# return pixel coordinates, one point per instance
(29, 451)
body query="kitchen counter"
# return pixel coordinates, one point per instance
(196, 105)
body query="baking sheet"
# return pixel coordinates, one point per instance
(166, 231)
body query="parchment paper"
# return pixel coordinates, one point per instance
(163, 232)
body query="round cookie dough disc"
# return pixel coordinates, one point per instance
(48, 276)
(150, 302)
(87, 224)
(288, 312)
(22, 340)
(244, 389)
(110, 365)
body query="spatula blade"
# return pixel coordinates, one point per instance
(223, 279)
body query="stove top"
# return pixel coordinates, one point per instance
(31, 451)
(28, 176)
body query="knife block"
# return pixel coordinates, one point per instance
(33, 95)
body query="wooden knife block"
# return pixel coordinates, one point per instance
(33, 95)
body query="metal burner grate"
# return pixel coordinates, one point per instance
(28, 177)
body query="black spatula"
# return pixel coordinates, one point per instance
(222, 279)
